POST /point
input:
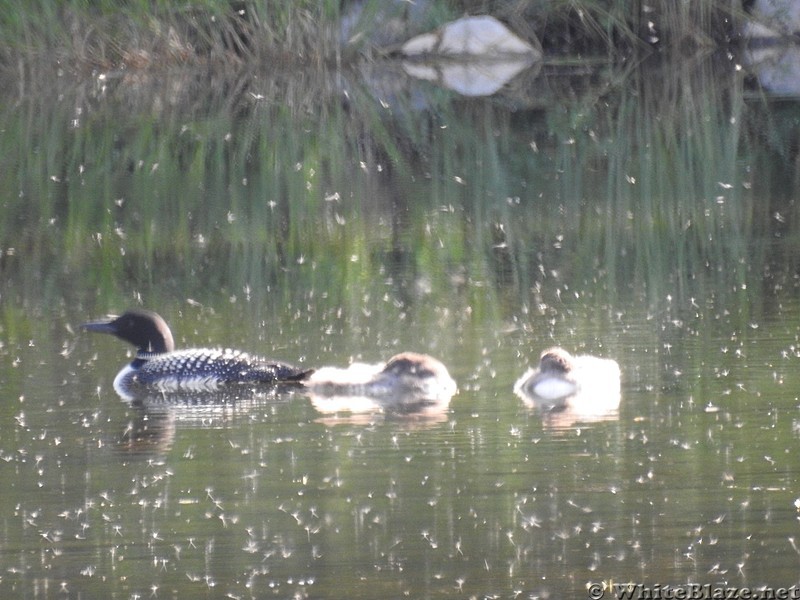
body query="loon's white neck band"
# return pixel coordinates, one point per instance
(140, 355)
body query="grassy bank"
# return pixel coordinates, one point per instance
(144, 33)
(106, 35)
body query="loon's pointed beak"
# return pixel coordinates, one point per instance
(104, 326)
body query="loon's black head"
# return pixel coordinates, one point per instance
(143, 328)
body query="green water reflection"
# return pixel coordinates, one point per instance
(645, 216)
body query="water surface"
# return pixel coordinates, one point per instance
(645, 216)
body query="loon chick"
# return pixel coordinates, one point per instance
(408, 383)
(565, 381)
(159, 366)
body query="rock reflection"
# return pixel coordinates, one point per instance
(484, 78)
(408, 385)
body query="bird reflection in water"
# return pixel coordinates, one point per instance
(157, 416)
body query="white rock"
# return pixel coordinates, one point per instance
(772, 19)
(483, 36)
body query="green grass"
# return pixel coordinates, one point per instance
(154, 34)
(146, 34)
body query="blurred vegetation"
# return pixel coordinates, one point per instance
(101, 34)
(652, 178)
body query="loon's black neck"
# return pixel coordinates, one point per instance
(143, 328)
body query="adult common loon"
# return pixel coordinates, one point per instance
(158, 366)
(408, 383)
(585, 383)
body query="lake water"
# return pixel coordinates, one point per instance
(644, 213)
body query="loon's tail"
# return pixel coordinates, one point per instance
(300, 376)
